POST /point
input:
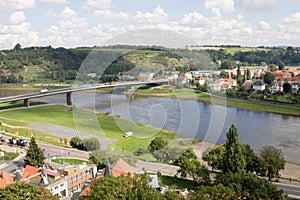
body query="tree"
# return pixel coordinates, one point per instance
(280, 65)
(224, 74)
(17, 46)
(123, 187)
(273, 67)
(248, 74)
(227, 64)
(273, 161)
(213, 192)
(167, 155)
(76, 142)
(157, 143)
(214, 157)
(249, 186)
(35, 155)
(22, 190)
(269, 78)
(234, 159)
(190, 165)
(287, 87)
(91, 144)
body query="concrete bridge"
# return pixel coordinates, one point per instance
(70, 90)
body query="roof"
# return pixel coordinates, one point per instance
(258, 83)
(121, 167)
(30, 171)
(5, 179)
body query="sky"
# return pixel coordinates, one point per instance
(74, 23)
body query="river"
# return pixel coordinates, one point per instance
(195, 119)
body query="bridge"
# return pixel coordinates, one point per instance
(68, 91)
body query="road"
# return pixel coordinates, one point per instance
(292, 190)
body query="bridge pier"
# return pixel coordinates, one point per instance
(69, 99)
(26, 103)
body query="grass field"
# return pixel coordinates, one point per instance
(100, 125)
(176, 182)
(71, 161)
(232, 51)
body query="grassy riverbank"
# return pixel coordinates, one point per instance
(101, 125)
(213, 99)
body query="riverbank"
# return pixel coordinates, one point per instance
(171, 92)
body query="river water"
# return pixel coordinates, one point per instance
(195, 119)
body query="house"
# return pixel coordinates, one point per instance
(275, 87)
(200, 80)
(295, 88)
(248, 84)
(258, 85)
(145, 76)
(230, 81)
(77, 175)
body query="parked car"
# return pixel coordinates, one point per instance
(128, 134)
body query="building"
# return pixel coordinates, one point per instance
(258, 85)
(119, 167)
(77, 175)
(275, 87)
(145, 76)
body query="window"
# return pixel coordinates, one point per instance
(56, 187)
(62, 185)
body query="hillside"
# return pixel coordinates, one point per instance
(47, 64)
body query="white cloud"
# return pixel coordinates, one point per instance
(257, 4)
(56, 1)
(224, 5)
(157, 16)
(98, 4)
(110, 15)
(264, 26)
(193, 19)
(51, 13)
(17, 4)
(293, 18)
(70, 29)
(17, 17)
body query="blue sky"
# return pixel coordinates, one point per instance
(71, 23)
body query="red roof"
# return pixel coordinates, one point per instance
(30, 171)
(5, 179)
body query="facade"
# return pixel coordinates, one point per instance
(77, 175)
(258, 85)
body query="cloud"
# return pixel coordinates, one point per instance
(56, 1)
(264, 26)
(111, 15)
(257, 5)
(193, 19)
(98, 4)
(293, 18)
(157, 16)
(51, 13)
(17, 17)
(17, 4)
(69, 30)
(224, 5)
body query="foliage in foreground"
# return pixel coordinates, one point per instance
(22, 190)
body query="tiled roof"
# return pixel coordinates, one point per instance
(30, 171)
(5, 179)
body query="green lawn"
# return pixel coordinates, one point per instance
(71, 161)
(9, 155)
(176, 182)
(86, 121)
